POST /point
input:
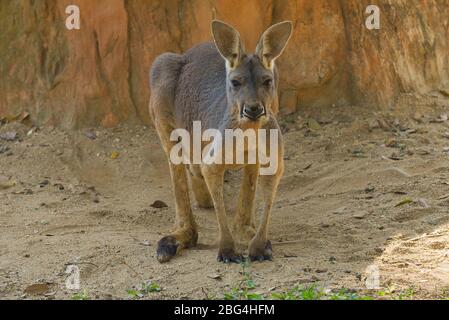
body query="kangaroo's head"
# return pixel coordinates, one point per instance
(251, 78)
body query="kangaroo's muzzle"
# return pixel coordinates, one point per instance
(253, 112)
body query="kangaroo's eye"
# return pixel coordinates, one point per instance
(236, 83)
(267, 83)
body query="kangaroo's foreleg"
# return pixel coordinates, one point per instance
(244, 221)
(260, 247)
(214, 177)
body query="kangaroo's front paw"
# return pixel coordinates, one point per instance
(260, 251)
(167, 248)
(229, 255)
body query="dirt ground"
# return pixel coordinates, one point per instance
(362, 189)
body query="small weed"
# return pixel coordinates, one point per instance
(345, 294)
(299, 293)
(391, 293)
(134, 294)
(243, 291)
(314, 293)
(144, 289)
(406, 295)
(152, 287)
(81, 296)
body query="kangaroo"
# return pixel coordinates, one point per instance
(222, 86)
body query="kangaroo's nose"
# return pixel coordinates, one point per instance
(253, 111)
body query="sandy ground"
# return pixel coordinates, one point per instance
(361, 190)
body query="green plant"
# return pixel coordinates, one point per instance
(406, 295)
(134, 294)
(81, 296)
(314, 293)
(151, 287)
(144, 289)
(243, 291)
(391, 292)
(300, 293)
(345, 294)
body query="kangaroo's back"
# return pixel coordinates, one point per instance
(192, 86)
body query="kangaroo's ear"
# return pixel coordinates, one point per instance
(228, 43)
(273, 42)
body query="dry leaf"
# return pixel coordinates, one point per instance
(405, 201)
(115, 155)
(38, 289)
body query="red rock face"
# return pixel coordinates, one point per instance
(99, 75)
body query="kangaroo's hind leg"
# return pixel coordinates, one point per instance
(185, 233)
(163, 79)
(199, 187)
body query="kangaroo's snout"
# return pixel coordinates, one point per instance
(253, 111)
